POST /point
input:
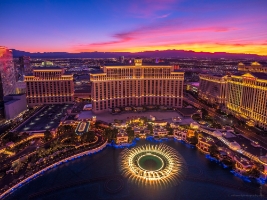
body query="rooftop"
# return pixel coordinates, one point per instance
(46, 68)
(15, 94)
(133, 64)
(259, 75)
(96, 71)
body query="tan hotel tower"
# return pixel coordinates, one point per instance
(49, 85)
(136, 85)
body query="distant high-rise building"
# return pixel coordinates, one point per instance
(212, 88)
(139, 84)
(49, 85)
(7, 73)
(24, 67)
(47, 64)
(254, 67)
(121, 59)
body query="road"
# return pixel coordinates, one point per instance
(249, 132)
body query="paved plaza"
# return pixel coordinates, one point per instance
(159, 115)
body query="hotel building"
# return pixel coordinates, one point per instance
(49, 85)
(139, 84)
(242, 94)
(212, 88)
(246, 97)
(7, 73)
(7, 77)
(254, 67)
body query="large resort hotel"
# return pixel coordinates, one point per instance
(49, 85)
(137, 84)
(242, 94)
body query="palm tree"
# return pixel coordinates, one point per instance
(213, 149)
(47, 135)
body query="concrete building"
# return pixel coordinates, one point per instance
(84, 93)
(7, 73)
(204, 143)
(122, 137)
(138, 84)
(20, 87)
(15, 104)
(49, 85)
(254, 67)
(242, 94)
(47, 63)
(246, 97)
(212, 88)
(24, 67)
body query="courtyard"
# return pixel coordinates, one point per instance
(159, 115)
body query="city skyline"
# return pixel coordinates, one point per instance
(115, 26)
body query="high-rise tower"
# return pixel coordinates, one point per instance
(7, 73)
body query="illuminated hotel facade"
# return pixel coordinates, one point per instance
(243, 95)
(136, 85)
(246, 97)
(254, 67)
(7, 73)
(49, 85)
(212, 88)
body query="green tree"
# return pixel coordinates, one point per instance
(192, 140)
(11, 137)
(204, 112)
(41, 152)
(47, 135)
(73, 137)
(55, 145)
(213, 149)
(254, 173)
(110, 134)
(88, 136)
(169, 129)
(228, 162)
(196, 117)
(150, 128)
(130, 133)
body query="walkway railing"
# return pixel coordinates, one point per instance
(225, 141)
(35, 175)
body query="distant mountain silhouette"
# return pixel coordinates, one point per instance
(145, 54)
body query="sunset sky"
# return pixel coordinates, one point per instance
(236, 26)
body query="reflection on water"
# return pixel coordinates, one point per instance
(98, 177)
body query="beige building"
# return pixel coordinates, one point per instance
(122, 137)
(49, 85)
(254, 67)
(212, 88)
(243, 94)
(246, 97)
(136, 85)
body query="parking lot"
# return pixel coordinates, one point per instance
(47, 119)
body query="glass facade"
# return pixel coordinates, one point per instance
(7, 73)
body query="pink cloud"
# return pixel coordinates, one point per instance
(149, 8)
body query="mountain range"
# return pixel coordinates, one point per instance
(145, 54)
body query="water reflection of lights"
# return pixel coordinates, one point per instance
(170, 170)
